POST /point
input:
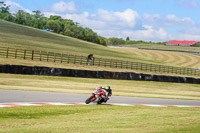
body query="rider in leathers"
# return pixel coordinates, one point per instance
(105, 92)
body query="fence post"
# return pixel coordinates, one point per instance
(159, 68)
(146, 65)
(32, 54)
(141, 68)
(188, 71)
(93, 60)
(136, 65)
(61, 57)
(40, 56)
(54, 57)
(47, 56)
(111, 63)
(99, 61)
(168, 69)
(7, 52)
(195, 72)
(75, 59)
(104, 62)
(81, 60)
(131, 65)
(15, 53)
(24, 54)
(115, 64)
(68, 59)
(127, 65)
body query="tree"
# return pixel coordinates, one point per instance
(115, 41)
(127, 39)
(52, 17)
(131, 42)
(53, 25)
(29, 20)
(7, 17)
(68, 28)
(3, 7)
(39, 19)
(102, 40)
(20, 17)
(4, 12)
(60, 22)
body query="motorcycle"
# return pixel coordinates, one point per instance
(96, 98)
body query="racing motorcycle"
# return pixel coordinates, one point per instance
(96, 98)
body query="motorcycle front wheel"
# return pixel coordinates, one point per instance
(87, 101)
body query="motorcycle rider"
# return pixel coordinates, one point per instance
(109, 93)
(105, 92)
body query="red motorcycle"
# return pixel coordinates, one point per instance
(98, 96)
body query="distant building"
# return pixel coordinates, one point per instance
(181, 43)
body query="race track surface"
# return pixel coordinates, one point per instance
(18, 96)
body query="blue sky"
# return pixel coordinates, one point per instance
(148, 20)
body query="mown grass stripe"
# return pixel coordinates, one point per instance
(114, 104)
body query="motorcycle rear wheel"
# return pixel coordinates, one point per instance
(100, 101)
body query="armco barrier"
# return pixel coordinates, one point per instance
(49, 71)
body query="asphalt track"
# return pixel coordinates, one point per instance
(18, 96)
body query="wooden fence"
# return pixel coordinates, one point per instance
(82, 60)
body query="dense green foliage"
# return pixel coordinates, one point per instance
(115, 41)
(121, 42)
(142, 42)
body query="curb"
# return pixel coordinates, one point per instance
(57, 103)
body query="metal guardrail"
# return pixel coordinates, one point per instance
(82, 60)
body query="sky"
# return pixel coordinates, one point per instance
(147, 20)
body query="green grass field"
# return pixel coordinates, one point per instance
(99, 119)
(171, 58)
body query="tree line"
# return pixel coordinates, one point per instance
(59, 25)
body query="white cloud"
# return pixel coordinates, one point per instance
(148, 33)
(168, 21)
(14, 7)
(192, 33)
(107, 19)
(188, 3)
(86, 20)
(188, 36)
(174, 20)
(151, 33)
(64, 7)
(152, 18)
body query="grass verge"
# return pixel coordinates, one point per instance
(86, 85)
(112, 119)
